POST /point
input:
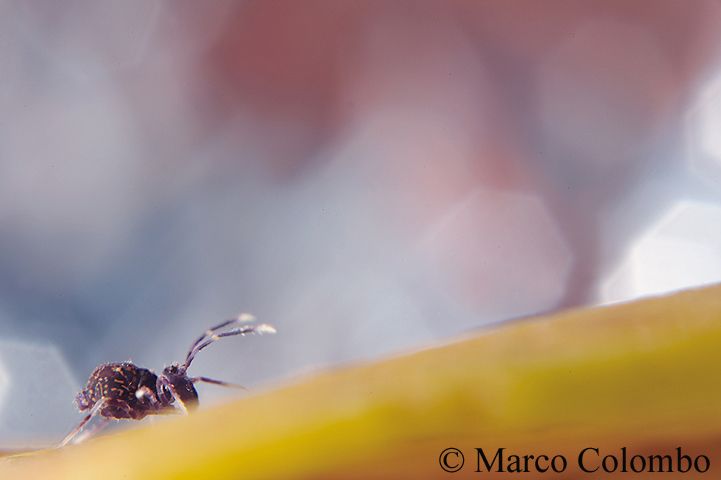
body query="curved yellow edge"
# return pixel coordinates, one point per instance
(642, 375)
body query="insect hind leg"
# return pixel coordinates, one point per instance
(71, 436)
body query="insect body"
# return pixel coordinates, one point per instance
(123, 390)
(116, 391)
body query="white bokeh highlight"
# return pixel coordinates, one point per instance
(703, 129)
(37, 404)
(4, 386)
(680, 251)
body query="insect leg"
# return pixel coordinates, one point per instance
(95, 428)
(70, 436)
(217, 382)
(180, 405)
(171, 400)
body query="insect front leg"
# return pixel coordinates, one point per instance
(217, 382)
(169, 396)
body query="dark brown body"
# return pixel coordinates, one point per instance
(117, 384)
(117, 391)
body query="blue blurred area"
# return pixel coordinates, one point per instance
(366, 176)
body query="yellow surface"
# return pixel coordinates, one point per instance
(643, 375)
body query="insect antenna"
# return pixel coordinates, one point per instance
(213, 335)
(242, 318)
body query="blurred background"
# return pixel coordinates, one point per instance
(367, 176)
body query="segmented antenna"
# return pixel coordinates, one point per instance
(213, 334)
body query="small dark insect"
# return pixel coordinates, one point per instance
(117, 391)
